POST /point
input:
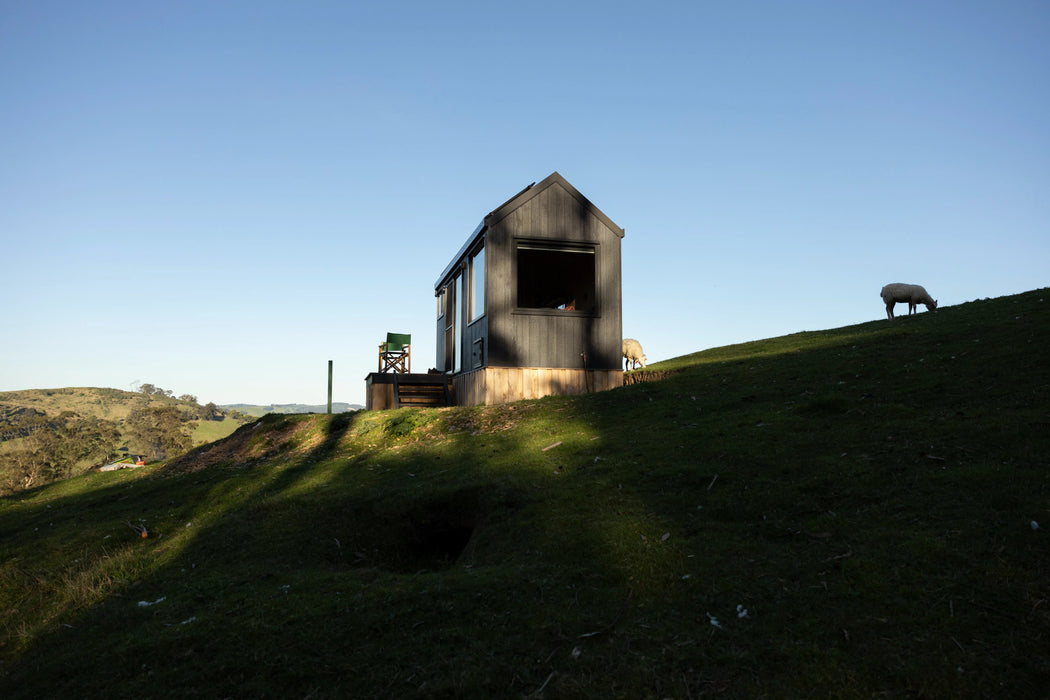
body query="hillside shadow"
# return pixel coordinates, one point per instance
(247, 535)
(402, 515)
(590, 524)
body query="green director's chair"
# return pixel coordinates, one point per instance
(395, 355)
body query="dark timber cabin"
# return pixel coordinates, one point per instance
(531, 304)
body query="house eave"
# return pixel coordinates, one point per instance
(446, 274)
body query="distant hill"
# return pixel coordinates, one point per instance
(97, 402)
(107, 404)
(259, 411)
(49, 434)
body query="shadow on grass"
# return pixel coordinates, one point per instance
(863, 501)
(249, 569)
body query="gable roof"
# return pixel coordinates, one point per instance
(505, 209)
(534, 189)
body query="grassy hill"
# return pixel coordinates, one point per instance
(109, 404)
(853, 512)
(88, 416)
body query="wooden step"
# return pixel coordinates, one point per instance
(421, 390)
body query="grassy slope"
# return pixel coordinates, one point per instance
(865, 493)
(205, 431)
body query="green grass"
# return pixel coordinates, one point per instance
(865, 493)
(212, 430)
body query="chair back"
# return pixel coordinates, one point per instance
(396, 342)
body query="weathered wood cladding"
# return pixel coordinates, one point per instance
(495, 385)
(386, 390)
(379, 392)
(548, 337)
(567, 317)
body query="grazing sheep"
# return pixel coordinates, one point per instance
(910, 294)
(632, 353)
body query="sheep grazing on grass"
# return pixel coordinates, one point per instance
(632, 353)
(910, 294)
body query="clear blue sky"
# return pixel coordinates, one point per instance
(219, 197)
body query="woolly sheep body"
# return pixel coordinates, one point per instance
(910, 294)
(632, 353)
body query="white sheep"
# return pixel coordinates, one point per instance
(910, 294)
(632, 353)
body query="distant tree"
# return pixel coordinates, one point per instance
(209, 412)
(68, 445)
(188, 398)
(90, 440)
(158, 431)
(18, 422)
(154, 390)
(20, 468)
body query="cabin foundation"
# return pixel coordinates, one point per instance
(495, 385)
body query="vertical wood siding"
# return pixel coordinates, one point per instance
(379, 397)
(495, 385)
(512, 353)
(552, 338)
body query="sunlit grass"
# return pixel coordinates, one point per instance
(211, 430)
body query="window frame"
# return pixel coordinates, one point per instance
(474, 292)
(555, 246)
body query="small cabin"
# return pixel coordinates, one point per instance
(531, 304)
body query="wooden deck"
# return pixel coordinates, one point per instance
(386, 390)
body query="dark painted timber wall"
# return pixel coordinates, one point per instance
(553, 215)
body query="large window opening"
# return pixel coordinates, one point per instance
(550, 277)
